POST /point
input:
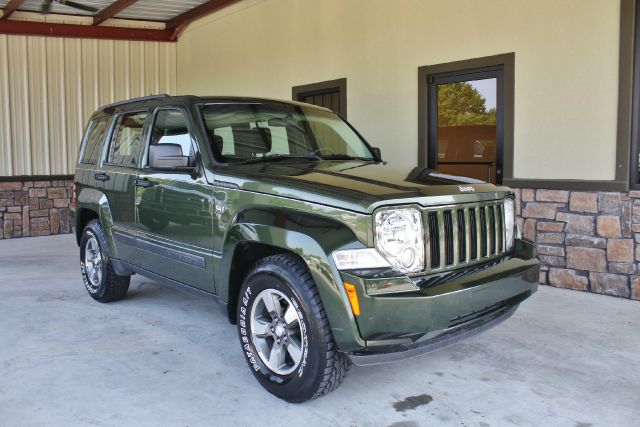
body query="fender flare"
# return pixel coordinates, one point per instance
(96, 201)
(312, 245)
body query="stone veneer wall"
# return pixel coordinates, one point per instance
(589, 241)
(34, 208)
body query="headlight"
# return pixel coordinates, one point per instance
(400, 238)
(359, 259)
(509, 223)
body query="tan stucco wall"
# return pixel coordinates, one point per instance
(566, 66)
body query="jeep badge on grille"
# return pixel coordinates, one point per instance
(466, 189)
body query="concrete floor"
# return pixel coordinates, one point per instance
(161, 358)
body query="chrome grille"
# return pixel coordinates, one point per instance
(463, 235)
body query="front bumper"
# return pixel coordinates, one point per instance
(401, 326)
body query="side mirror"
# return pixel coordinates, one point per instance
(377, 154)
(168, 157)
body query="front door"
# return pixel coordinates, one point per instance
(466, 123)
(175, 210)
(117, 176)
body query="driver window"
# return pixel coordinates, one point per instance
(170, 127)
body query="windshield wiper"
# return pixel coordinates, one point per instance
(278, 157)
(346, 157)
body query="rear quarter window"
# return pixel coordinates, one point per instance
(94, 139)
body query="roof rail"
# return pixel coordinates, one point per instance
(132, 100)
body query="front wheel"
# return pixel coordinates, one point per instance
(284, 331)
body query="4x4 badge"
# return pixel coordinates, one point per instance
(466, 189)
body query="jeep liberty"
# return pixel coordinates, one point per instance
(319, 251)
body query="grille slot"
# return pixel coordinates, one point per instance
(464, 235)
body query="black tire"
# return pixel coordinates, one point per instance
(322, 367)
(110, 286)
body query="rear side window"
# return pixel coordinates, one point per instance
(94, 139)
(127, 139)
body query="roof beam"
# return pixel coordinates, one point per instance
(112, 10)
(84, 31)
(10, 8)
(183, 19)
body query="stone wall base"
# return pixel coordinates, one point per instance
(589, 241)
(34, 208)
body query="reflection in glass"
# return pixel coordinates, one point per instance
(467, 128)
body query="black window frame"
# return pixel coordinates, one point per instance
(434, 80)
(427, 144)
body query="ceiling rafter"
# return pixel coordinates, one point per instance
(8, 26)
(112, 10)
(10, 8)
(197, 12)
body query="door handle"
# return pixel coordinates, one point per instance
(143, 182)
(101, 176)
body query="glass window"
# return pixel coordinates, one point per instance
(126, 143)
(170, 127)
(241, 132)
(466, 125)
(93, 140)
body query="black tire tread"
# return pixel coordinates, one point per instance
(337, 363)
(116, 286)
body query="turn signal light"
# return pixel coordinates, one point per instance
(353, 298)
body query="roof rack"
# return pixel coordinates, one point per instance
(132, 100)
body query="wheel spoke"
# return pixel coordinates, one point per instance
(276, 358)
(272, 303)
(261, 328)
(290, 316)
(294, 350)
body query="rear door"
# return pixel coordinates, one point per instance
(118, 175)
(175, 209)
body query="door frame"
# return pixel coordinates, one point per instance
(506, 62)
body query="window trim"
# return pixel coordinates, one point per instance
(506, 62)
(301, 91)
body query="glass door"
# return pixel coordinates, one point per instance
(466, 124)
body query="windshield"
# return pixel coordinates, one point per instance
(242, 133)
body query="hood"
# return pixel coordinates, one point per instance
(359, 186)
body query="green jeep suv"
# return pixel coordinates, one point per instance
(322, 253)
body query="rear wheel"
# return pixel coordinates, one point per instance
(285, 333)
(100, 279)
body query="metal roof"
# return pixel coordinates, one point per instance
(175, 14)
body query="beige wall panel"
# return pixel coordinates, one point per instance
(19, 105)
(566, 67)
(73, 97)
(37, 98)
(55, 110)
(6, 155)
(50, 86)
